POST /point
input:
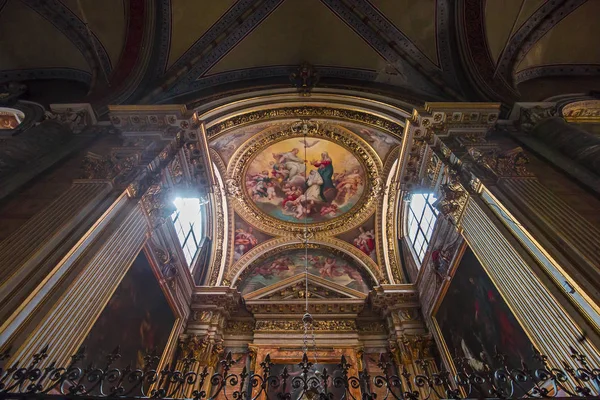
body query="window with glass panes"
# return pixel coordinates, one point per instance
(421, 219)
(188, 225)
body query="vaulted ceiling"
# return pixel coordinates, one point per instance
(152, 51)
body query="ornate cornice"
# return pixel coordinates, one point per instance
(387, 298)
(215, 297)
(359, 148)
(296, 325)
(254, 117)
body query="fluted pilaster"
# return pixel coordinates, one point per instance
(548, 324)
(28, 254)
(571, 234)
(100, 272)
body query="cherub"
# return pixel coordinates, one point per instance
(270, 190)
(330, 209)
(328, 268)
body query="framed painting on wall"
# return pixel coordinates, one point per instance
(473, 320)
(137, 318)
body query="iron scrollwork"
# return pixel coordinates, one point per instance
(539, 379)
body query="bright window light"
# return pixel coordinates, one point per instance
(188, 225)
(421, 219)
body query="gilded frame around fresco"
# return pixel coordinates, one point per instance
(368, 158)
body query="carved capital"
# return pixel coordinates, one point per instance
(203, 348)
(407, 349)
(453, 198)
(157, 205)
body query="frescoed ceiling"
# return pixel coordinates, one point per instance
(317, 177)
(164, 51)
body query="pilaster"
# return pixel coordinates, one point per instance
(98, 272)
(547, 323)
(28, 256)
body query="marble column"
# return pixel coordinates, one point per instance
(94, 277)
(517, 277)
(28, 255)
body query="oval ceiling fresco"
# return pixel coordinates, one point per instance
(321, 263)
(301, 180)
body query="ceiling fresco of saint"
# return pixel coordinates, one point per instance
(184, 51)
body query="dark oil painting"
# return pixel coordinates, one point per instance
(137, 318)
(475, 320)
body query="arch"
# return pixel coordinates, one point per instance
(274, 246)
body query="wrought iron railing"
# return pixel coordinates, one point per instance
(42, 379)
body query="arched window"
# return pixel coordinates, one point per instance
(188, 225)
(421, 219)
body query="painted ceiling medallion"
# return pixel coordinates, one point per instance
(325, 176)
(305, 179)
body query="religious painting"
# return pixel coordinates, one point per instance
(474, 320)
(445, 245)
(305, 180)
(316, 370)
(381, 142)
(321, 263)
(137, 318)
(246, 238)
(363, 238)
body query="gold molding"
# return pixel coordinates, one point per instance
(253, 117)
(387, 222)
(357, 215)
